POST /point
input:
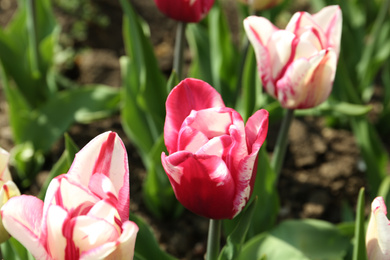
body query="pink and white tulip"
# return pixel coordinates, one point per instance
(8, 189)
(378, 232)
(212, 156)
(189, 11)
(297, 65)
(85, 212)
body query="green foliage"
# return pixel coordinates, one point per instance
(298, 239)
(143, 112)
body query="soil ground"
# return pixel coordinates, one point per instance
(321, 171)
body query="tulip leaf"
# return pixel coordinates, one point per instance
(146, 246)
(198, 41)
(158, 193)
(62, 165)
(44, 126)
(12, 249)
(250, 83)
(359, 252)
(236, 239)
(298, 239)
(374, 154)
(336, 108)
(223, 55)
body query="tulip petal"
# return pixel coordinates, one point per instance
(320, 82)
(256, 130)
(122, 249)
(190, 94)
(205, 184)
(58, 245)
(22, 216)
(105, 210)
(329, 19)
(90, 232)
(211, 122)
(191, 139)
(378, 232)
(259, 30)
(105, 154)
(5, 175)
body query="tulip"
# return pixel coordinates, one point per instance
(189, 11)
(258, 5)
(212, 156)
(85, 212)
(378, 232)
(297, 65)
(8, 189)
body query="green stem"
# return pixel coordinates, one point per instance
(281, 143)
(213, 239)
(179, 50)
(32, 33)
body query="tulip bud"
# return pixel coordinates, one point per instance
(258, 5)
(189, 11)
(85, 212)
(297, 65)
(378, 232)
(8, 189)
(212, 156)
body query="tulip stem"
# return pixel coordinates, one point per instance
(281, 143)
(179, 50)
(213, 239)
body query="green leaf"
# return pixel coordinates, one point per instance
(298, 239)
(223, 55)
(236, 239)
(374, 154)
(44, 126)
(146, 246)
(158, 193)
(62, 165)
(14, 250)
(359, 252)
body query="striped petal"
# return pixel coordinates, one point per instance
(22, 216)
(190, 94)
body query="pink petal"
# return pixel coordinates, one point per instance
(256, 130)
(330, 20)
(56, 240)
(122, 249)
(281, 49)
(4, 172)
(320, 79)
(105, 154)
(190, 139)
(378, 232)
(259, 30)
(205, 184)
(211, 122)
(218, 146)
(22, 216)
(90, 232)
(105, 210)
(190, 94)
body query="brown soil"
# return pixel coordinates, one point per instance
(321, 171)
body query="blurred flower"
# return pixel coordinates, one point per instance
(378, 232)
(258, 5)
(297, 65)
(212, 156)
(85, 212)
(8, 189)
(189, 11)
